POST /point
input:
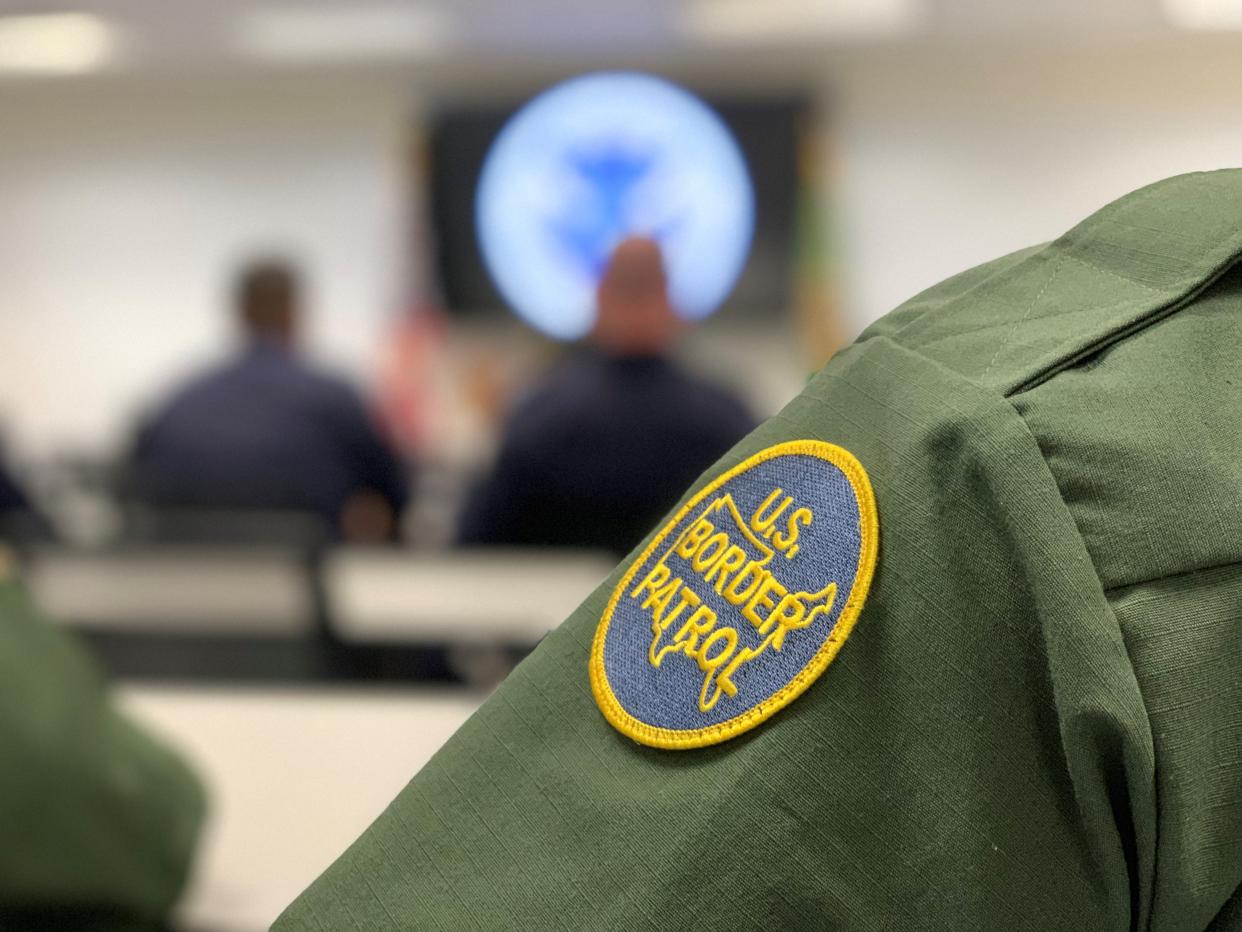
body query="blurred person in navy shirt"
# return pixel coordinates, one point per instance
(20, 520)
(268, 431)
(612, 437)
(12, 498)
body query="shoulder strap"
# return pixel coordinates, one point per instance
(1013, 324)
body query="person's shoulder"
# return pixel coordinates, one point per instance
(314, 381)
(569, 385)
(1113, 345)
(196, 387)
(321, 378)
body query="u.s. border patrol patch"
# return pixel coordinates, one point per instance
(741, 600)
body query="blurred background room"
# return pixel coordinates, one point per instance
(311, 325)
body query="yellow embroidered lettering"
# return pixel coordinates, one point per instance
(694, 538)
(710, 552)
(787, 543)
(745, 583)
(732, 560)
(698, 624)
(763, 524)
(688, 598)
(660, 625)
(763, 598)
(787, 614)
(790, 614)
(660, 598)
(657, 577)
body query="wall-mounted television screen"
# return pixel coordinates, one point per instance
(767, 132)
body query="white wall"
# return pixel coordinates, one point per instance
(949, 157)
(123, 209)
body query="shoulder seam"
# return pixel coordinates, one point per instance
(1013, 329)
(1223, 565)
(1125, 332)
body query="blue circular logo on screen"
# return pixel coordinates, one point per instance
(598, 158)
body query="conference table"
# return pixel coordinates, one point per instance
(294, 776)
(210, 647)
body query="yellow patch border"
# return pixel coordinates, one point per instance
(869, 534)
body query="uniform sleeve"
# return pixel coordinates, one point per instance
(977, 756)
(96, 819)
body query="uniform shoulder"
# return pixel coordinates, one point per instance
(1017, 321)
(1114, 344)
(1142, 439)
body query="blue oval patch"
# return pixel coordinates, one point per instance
(741, 600)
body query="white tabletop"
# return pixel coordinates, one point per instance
(481, 595)
(294, 777)
(256, 590)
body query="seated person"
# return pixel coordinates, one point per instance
(613, 436)
(267, 430)
(20, 520)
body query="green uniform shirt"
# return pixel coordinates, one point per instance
(1036, 721)
(97, 821)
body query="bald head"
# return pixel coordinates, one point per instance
(634, 317)
(267, 300)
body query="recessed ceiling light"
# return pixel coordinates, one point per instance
(754, 22)
(1205, 14)
(55, 43)
(350, 31)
